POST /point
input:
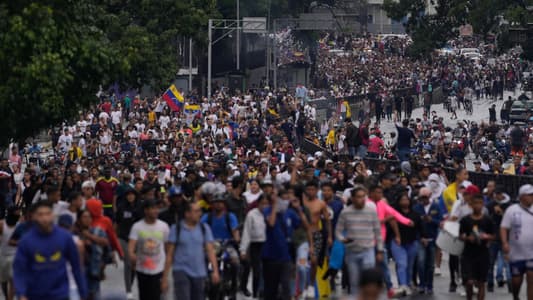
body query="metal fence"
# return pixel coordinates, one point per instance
(511, 182)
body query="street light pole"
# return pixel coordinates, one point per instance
(275, 49)
(190, 65)
(238, 37)
(209, 58)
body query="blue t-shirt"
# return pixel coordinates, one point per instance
(276, 247)
(336, 206)
(219, 227)
(189, 256)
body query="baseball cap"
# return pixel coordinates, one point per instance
(87, 184)
(526, 189)
(65, 221)
(425, 191)
(472, 190)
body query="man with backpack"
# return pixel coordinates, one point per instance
(224, 226)
(189, 243)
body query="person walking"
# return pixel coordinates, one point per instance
(146, 248)
(40, 264)
(404, 247)
(253, 237)
(358, 227)
(517, 240)
(477, 231)
(129, 211)
(188, 245)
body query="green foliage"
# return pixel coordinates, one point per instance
(54, 54)
(432, 31)
(52, 63)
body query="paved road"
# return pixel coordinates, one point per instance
(115, 285)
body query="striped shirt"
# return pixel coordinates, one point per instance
(362, 226)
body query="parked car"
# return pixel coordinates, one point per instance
(520, 111)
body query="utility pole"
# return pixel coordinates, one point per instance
(190, 65)
(209, 58)
(238, 37)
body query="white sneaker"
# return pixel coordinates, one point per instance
(437, 271)
(310, 292)
(129, 296)
(406, 290)
(462, 291)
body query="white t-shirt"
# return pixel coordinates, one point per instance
(164, 120)
(116, 116)
(65, 141)
(519, 222)
(151, 239)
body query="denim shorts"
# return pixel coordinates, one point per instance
(519, 267)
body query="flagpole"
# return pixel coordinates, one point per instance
(190, 65)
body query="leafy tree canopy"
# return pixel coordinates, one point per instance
(54, 55)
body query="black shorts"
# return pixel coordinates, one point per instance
(475, 268)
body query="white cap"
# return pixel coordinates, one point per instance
(87, 184)
(433, 177)
(526, 189)
(466, 184)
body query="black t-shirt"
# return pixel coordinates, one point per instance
(471, 226)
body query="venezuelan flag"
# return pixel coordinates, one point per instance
(174, 98)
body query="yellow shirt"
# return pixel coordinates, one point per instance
(151, 117)
(330, 139)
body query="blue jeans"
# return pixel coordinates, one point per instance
(352, 151)
(404, 256)
(361, 152)
(403, 154)
(496, 257)
(355, 263)
(384, 265)
(426, 265)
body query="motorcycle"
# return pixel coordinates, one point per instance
(228, 262)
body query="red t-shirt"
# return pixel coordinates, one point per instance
(106, 189)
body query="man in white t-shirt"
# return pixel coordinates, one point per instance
(146, 248)
(65, 141)
(517, 240)
(116, 117)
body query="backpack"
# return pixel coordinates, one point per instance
(178, 231)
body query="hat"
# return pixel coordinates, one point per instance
(472, 190)
(87, 184)
(433, 177)
(65, 221)
(266, 182)
(477, 162)
(526, 189)
(425, 191)
(465, 184)
(149, 203)
(219, 197)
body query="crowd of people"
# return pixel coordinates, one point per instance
(201, 200)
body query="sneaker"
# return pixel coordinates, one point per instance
(501, 283)
(246, 292)
(129, 296)
(310, 292)
(429, 291)
(390, 293)
(437, 271)
(462, 292)
(406, 290)
(453, 288)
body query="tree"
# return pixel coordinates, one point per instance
(52, 62)
(54, 54)
(432, 31)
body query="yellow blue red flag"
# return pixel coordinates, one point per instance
(174, 98)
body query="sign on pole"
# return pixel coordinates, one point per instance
(254, 25)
